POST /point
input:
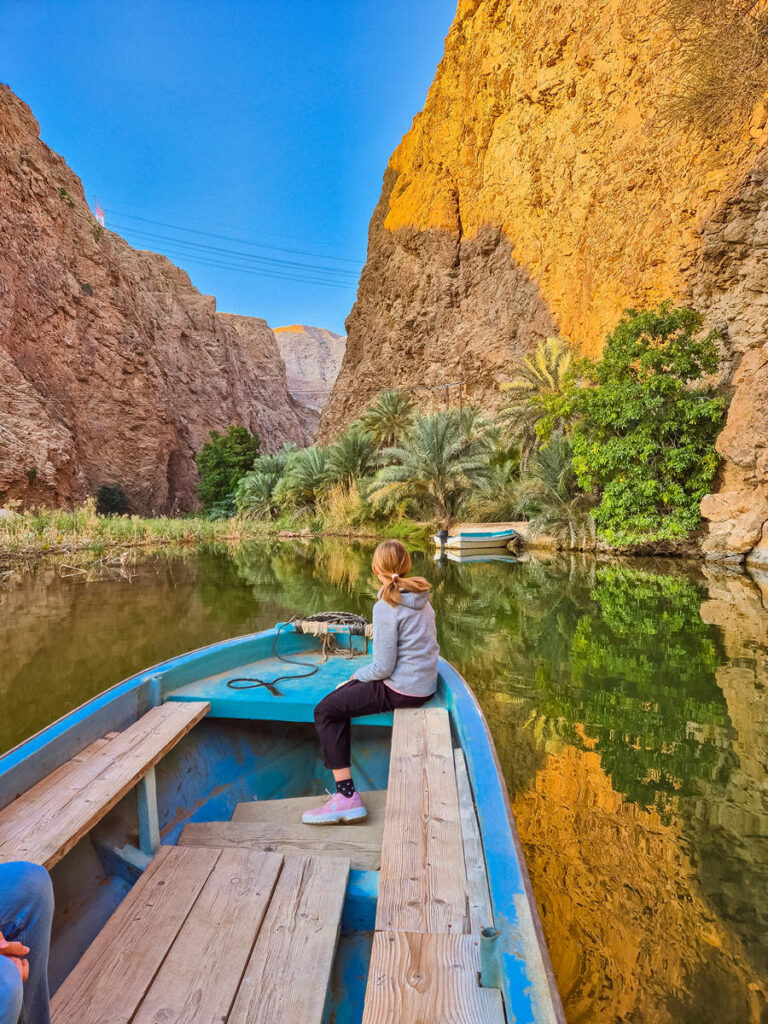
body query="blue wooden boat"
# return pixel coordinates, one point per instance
(475, 539)
(169, 756)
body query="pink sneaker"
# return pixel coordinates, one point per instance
(336, 811)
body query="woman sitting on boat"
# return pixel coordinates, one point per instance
(403, 674)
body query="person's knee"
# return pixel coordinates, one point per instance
(32, 894)
(35, 889)
(11, 992)
(324, 711)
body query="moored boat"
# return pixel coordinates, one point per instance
(168, 811)
(476, 540)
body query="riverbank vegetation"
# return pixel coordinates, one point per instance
(618, 451)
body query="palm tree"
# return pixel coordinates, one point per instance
(353, 455)
(549, 492)
(541, 375)
(389, 418)
(305, 476)
(434, 467)
(255, 492)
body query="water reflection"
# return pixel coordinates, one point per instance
(628, 705)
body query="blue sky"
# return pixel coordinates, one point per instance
(246, 140)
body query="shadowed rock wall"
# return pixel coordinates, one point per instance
(113, 368)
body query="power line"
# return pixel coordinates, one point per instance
(219, 252)
(229, 238)
(254, 272)
(191, 218)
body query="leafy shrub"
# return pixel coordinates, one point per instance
(222, 461)
(111, 500)
(643, 435)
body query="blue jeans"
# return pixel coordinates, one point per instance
(26, 910)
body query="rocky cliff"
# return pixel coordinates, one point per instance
(541, 189)
(113, 368)
(312, 357)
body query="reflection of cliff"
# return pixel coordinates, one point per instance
(630, 936)
(731, 834)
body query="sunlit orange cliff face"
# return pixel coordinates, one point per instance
(544, 189)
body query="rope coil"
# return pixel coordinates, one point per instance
(317, 625)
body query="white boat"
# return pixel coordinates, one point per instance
(476, 540)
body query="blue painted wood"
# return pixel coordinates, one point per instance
(528, 984)
(222, 761)
(146, 806)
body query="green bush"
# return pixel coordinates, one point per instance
(642, 434)
(222, 461)
(111, 500)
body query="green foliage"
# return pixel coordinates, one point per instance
(222, 461)
(542, 377)
(497, 500)
(389, 418)
(111, 500)
(255, 492)
(434, 468)
(304, 479)
(549, 493)
(353, 455)
(642, 434)
(66, 197)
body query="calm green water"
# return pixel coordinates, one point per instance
(628, 705)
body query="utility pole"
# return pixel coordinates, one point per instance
(461, 401)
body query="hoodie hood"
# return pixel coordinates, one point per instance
(416, 601)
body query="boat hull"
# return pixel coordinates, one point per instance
(254, 745)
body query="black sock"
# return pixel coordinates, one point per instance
(346, 787)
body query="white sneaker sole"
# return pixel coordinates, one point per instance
(335, 817)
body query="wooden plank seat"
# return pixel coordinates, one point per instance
(433, 886)
(44, 823)
(423, 885)
(428, 979)
(236, 936)
(275, 825)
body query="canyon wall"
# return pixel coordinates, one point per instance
(312, 357)
(542, 189)
(113, 367)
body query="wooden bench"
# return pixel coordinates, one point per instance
(276, 826)
(213, 935)
(44, 823)
(433, 889)
(423, 885)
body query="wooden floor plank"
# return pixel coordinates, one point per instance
(428, 979)
(198, 980)
(115, 972)
(291, 809)
(45, 823)
(423, 882)
(286, 979)
(480, 911)
(350, 841)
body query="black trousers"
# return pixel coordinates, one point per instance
(333, 713)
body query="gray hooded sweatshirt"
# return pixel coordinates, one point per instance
(405, 648)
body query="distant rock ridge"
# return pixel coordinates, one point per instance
(541, 190)
(312, 357)
(113, 367)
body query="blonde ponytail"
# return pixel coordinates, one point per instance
(393, 561)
